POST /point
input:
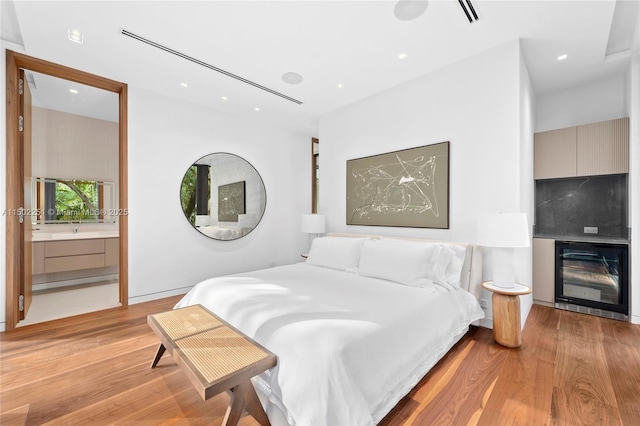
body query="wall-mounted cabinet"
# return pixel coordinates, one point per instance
(74, 255)
(603, 148)
(554, 153)
(587, 150)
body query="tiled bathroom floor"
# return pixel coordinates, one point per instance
(64, 302)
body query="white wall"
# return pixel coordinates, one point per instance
(166, 254)
(527, 123)
(589, 103)
(475, 104)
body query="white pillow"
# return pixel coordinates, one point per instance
(342, 253)
(446, 268)
(439, 265)
(405, 262)
(454, 270)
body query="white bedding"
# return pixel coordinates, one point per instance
(222, 232)
(349, 347)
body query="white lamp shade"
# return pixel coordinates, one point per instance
(203, 220)
(312, 223)
(503, 230)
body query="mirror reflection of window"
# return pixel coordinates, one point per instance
(72, 201)
(188, 194)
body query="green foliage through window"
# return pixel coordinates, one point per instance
(188, 194)
(77, 200)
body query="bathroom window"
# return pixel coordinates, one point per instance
(72, 201)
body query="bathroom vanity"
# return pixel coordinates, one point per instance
(73, 252)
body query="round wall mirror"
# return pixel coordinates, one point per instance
(223, 196)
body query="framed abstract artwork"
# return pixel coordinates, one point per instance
(408, 188)
(231, 201)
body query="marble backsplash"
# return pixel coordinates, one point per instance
(587, 206)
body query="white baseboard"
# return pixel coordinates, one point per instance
(487, 323)
(635, 319)
(154, 296)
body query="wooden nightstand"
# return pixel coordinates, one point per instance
(506, 313)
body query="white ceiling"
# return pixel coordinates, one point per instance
(353, 43)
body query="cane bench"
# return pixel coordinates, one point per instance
(215, 356)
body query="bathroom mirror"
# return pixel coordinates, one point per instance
(223, 196)
(72, 201)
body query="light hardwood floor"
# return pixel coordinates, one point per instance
(572, 369)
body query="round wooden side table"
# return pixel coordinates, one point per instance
(507, 329)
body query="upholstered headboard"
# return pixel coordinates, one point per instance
(471, 278)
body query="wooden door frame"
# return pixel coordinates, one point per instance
(15, 61)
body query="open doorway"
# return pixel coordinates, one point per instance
(70, 226)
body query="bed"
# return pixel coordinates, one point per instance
(355, 327)
(222, 232)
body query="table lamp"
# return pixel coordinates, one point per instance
(503, 232)
(312, 224)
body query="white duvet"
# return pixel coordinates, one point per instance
(349, 347)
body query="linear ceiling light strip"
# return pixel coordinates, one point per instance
(206, 65)
(469, 9)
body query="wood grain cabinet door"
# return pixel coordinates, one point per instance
(554, 154)
(544, 275)
(111, 252)
(603, 148)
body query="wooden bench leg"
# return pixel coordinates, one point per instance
(236, 405)
(159, 353)
(254, 407)
(244, 397)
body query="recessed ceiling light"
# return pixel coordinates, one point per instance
(562, 57)
(224, 98)
(292, 78)
(74, 91)
(340, 85)
(75, 36)
(408, 10)
(402, 56)
(257, 109)
(184, 85)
